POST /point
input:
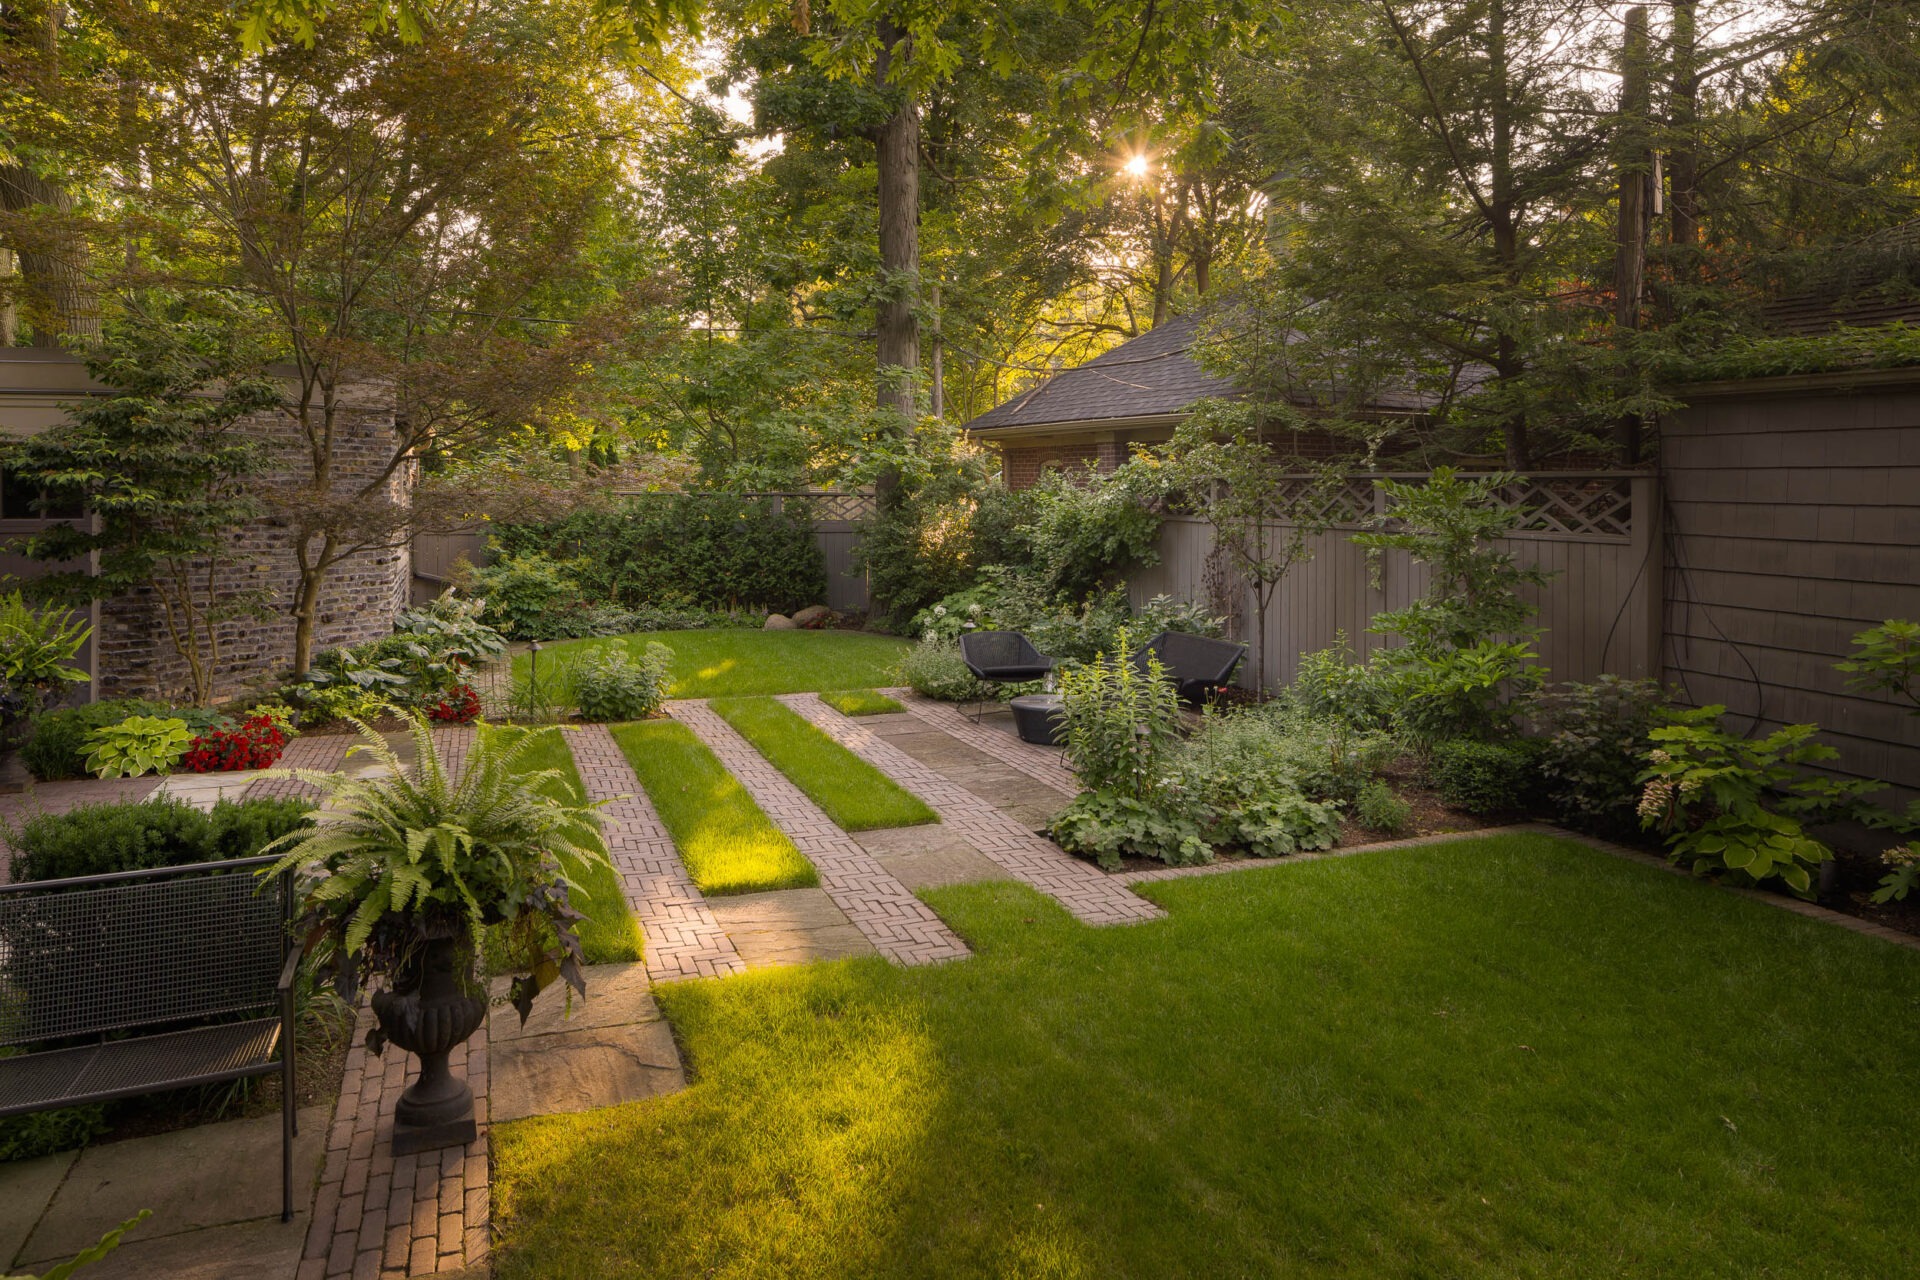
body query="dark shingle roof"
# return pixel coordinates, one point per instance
(1144, 377)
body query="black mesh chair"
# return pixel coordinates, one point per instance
(1003, 657)
(141, 981)
(1193, 663)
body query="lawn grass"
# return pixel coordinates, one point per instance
(609, 933)
(738, 662)
(860, 702)
(857, 796)
(1510, 1056)
(728, 843)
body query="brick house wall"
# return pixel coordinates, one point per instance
(1021, 465)
(358, 602)
(132, 655)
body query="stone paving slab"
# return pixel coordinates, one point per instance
(1086, 891)
(211, 1175)
(611, 1047)
(790, 926)
(683, 940)
(926, 857)
(899, 925)
(996, 737)
(267, 1250)
(26, 1188)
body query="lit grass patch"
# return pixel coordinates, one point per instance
(609, 933)
(1503, 1057)
(860, 702)
(728, 843)
(738, 662)
(857, 796)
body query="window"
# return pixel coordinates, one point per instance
(20, 500)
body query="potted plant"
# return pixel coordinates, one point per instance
(412, 876)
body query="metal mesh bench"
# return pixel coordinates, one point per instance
(118, 985)
(1193, 663)
(1002, 657)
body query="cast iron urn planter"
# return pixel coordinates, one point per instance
(431, 1009)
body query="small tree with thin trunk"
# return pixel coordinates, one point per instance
(1265, 506)
(162, 468)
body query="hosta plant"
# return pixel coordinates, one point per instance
(420, 854)
(1732, 805)
(137, 746)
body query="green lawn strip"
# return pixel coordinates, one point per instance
(609, 933)
(860, 702)
(1510, 1056)
(727, 842)
(857, 796)
(738, 662)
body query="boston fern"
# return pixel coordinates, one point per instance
(419, 854)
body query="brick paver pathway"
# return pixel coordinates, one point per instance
(901, 927)
(378, 1214)
(1089, 893)
(1043, 764)
(326, 752)
(683, 939)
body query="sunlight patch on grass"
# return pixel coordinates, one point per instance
(857, 796)
(860, 702)
(739, 662)
(727, 842)
(1502, 1057)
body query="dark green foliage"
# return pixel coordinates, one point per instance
(1336, 684)
(529, 594)
(1380, 809)
(716, 550)
(1484, 777)
(933, 541)
(43, 1133)
(129, 836)
(58, 745)
(1089, 529)
(1593, 738)
(1107, 826)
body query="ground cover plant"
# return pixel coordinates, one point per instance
(728, 843)
(609, 933)
(857, 796)
(739, 662)
(860, 702)
(1395, 1064)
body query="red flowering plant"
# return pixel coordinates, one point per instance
(253, 743)
(458, 705)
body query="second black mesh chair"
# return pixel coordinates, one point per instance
(1194, 664)
(1003, 657)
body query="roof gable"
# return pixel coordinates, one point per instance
(1148, 376)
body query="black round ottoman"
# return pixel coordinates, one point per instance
(1037, 718)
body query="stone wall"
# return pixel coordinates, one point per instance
(358, 601)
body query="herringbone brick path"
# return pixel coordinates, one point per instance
(683, 939)
(900, 926)
(1086, 891)
(378, 1214)
(1043, 764)
(326, 752)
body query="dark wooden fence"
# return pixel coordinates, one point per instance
(1596, 532)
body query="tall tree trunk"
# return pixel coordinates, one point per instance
(1634, 163)
(1683, 166)
(897, 148)
(53, 279)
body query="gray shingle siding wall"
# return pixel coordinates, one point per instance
(1794, 523)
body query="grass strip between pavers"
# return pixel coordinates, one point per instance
(1502, 1057)
(724, 662)
(609, 934)
(857, 796)
(860, 702)
(727, 842)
